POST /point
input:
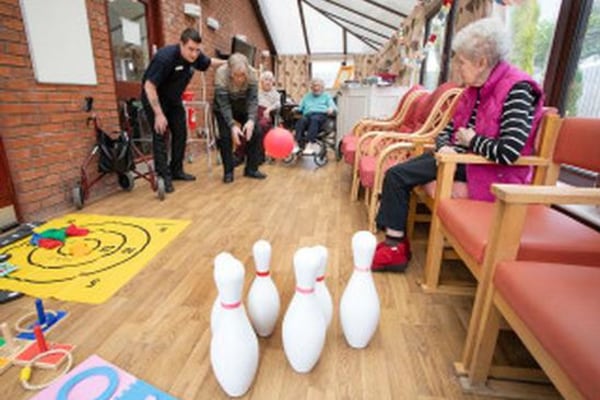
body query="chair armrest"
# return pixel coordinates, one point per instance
(528, 194)
(469, 158)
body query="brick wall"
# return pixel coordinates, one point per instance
(44, 126)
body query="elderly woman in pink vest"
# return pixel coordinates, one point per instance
(497, 118)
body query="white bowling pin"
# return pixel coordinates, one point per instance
(234, 346)
(359, 305)
(219, 262)
(323, 295)
(304, 327)
(263, 299)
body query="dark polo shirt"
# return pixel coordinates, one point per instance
(171, 74)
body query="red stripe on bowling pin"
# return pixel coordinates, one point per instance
(262, 274)
(231, 306)
(304, 290)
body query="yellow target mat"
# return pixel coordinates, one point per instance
(90, 268)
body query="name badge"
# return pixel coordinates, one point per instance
(179, 68)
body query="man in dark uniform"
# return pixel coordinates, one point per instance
(164, 81)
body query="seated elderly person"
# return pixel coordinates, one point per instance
(496, 117)
(269, 102)
(315, 107)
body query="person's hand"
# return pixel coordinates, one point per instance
(464, 136)
(446, 149)
(236, 134)
(330, 111)
(248, 129)
(160, 124)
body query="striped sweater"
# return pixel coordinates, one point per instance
(515, 127)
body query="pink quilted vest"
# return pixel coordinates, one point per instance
(492, 96)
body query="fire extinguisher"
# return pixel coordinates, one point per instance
(190, 111)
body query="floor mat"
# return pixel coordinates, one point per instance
(96, 378)
(90, 268)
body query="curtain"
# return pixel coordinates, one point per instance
(292, 75)
(364, 65)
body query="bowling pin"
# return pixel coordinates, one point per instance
(263, 299)
(304, 327)
(219, 262)
(323, 295)
(234, 346)
(359, 305)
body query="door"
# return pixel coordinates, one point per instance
(8, 215)
(134, 36)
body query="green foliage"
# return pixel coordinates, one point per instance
(591, 44)
(573, 94)
(524, 23)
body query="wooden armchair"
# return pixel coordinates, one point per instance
(390, 149)
(425, 194)
(350, 141)
(548, 235)
(424, 119)
(552, 306)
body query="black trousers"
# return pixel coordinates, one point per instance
(178, 129)
(311, 123)
(398, 183)
(225, 143)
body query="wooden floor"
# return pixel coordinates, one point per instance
(157, 326)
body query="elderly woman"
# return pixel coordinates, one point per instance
(497, 118)
(269, 101)
(315, 107)
(236, 107)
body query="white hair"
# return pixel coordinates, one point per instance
(317, 81)
(484, 38)
(238, 62)
(266, 75)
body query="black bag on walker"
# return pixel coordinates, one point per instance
(115, 154)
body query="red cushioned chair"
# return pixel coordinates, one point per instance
(350, 140)
(552, 306)
(548, 235)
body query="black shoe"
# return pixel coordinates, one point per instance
(169, 187)
(228, 177)
(182, 176)
(255, 174)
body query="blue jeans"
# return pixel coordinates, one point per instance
(311, 123)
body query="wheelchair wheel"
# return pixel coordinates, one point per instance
(289, 159)
(78, 196)
(160, 188)
(321, 156)
(126, 181)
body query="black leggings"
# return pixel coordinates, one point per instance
(398, 183)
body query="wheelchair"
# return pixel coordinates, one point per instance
(326, 140)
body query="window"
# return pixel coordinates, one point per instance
(531, 26)
(434, 48)
(326, 70)
(583, 94)
(129, 38)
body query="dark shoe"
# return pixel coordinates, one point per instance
(182, 176)
(169, 187)
(255, 174)
(228, 178)
(391, 258)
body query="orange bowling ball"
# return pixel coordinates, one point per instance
(278, 143)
